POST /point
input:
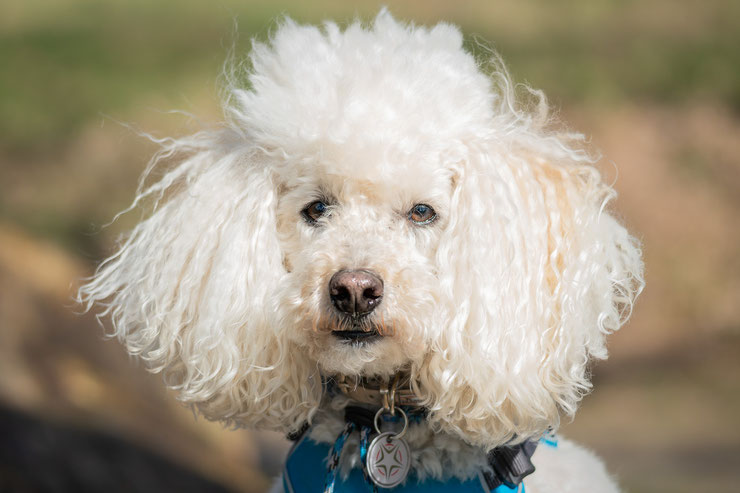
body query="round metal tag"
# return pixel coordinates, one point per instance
(388, 460)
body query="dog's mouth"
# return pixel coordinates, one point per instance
(356, 336)
(360, 330)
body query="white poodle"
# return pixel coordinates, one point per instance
(379, 232)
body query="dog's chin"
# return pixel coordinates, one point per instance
(360, 354)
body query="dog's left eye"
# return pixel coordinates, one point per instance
(422, 214)
(313, 211)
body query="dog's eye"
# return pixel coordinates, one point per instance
(422, 214)
(314, 211)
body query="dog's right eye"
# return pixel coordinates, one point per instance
(422, 214)
(313, 211)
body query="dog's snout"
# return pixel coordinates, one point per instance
(355, 292)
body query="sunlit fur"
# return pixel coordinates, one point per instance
(495, 308)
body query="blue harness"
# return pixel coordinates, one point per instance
(306, 466)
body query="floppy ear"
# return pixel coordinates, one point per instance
(190, 291)
(534, 273)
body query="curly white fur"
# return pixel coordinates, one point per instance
(495, 308)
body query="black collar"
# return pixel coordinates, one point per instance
(377, 392)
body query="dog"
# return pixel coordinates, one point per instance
(387, 252)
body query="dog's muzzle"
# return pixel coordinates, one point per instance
(354, 294)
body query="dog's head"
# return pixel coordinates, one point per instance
(375, 202)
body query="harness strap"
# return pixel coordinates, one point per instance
(364, 441)
(307, 460)
(509, 465)
(336, 452)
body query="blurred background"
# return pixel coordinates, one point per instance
(655, 85)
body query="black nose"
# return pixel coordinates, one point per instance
(355, 292)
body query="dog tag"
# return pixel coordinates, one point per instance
(388, 460)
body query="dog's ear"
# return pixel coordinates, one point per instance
(190, 289)
(534, 273)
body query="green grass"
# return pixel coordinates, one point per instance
(66, 62)
(579, 70)
(100, 58)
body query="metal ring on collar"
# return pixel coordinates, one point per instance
(405, 423)
(389, 394)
